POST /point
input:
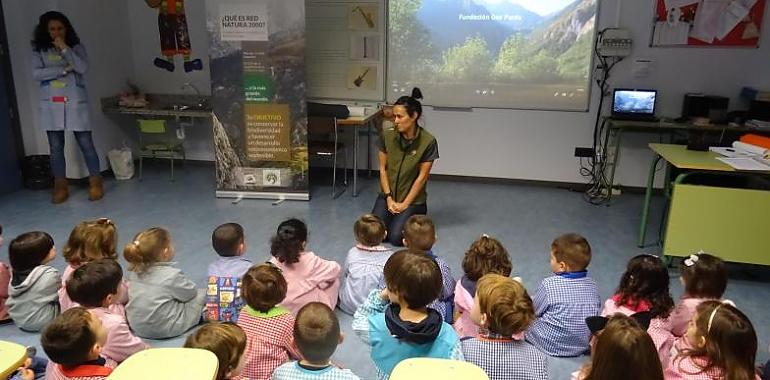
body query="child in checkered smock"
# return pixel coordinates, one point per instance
(721, 344)
(645, 287)
(704, 277)
(503, 309)
(316, 335)
(563, 301)
(73, 342)
(485, 255)
(267, 325)
(363, 267)
(420, 236)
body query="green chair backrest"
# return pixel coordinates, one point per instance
(152, 125)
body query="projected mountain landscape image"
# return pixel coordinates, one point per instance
(532, 54)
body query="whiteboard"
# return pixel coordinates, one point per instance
(345, 49)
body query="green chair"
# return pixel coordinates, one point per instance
(159, 147)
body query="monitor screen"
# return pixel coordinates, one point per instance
(634, 101)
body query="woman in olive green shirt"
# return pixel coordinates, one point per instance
(407, 152)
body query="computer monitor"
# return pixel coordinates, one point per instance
(633, 103)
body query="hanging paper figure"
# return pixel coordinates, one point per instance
(174, 37)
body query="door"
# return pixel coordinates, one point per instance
(11, 148)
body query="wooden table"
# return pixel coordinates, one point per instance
(168, 364)
(356, 122)
(725, 221)
(430, 368)
(12, 356)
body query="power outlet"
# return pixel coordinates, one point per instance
(584, 152)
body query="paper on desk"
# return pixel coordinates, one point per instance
(730, 152)
(708, 20)
(745, 163)
(750, 148)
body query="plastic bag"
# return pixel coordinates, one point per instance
(122, 163)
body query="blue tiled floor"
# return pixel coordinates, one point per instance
(525, 218)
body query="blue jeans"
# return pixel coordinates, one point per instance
(395, 222)
(38, 366)
(86, 143)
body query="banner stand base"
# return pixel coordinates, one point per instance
(263, 195)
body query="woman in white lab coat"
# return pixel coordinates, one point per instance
(59, 62)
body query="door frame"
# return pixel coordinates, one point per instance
(10, 90)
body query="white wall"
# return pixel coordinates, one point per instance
(540, 145)
(103, 30)
(535, 145)
(145, 46)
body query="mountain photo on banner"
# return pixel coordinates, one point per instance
(530, 50)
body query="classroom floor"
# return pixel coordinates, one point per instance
(524, 218)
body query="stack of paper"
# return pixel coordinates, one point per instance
(746, 163)
(740, 149)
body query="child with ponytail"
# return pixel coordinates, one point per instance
(163, 302)
(309, 277)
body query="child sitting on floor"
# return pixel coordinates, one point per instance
(621, 349)
(91, 240)
(162, 302)
(703, 277)
(223, 294)
(645, 287)
(94, 285)
(503, 310)
(227, 341)
(722, 344)
(5, 279)
(74, 341)
(267, 325)
(563, 301)
(420, 236)
(33, 301)
(310, 278)
(316, 335)
(397, 322)
(364, 264)
(485, 255)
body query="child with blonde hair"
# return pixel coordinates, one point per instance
(227, 341)
(704, 277)
(503, 310)
(91, 240)
(485, 255)
(721, 344)
(363, 267)
(310, 278)
(162, 301)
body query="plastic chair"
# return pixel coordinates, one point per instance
(12, 356)
(320, 126)
(158, 149)
(168, 364)
(429, 368)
